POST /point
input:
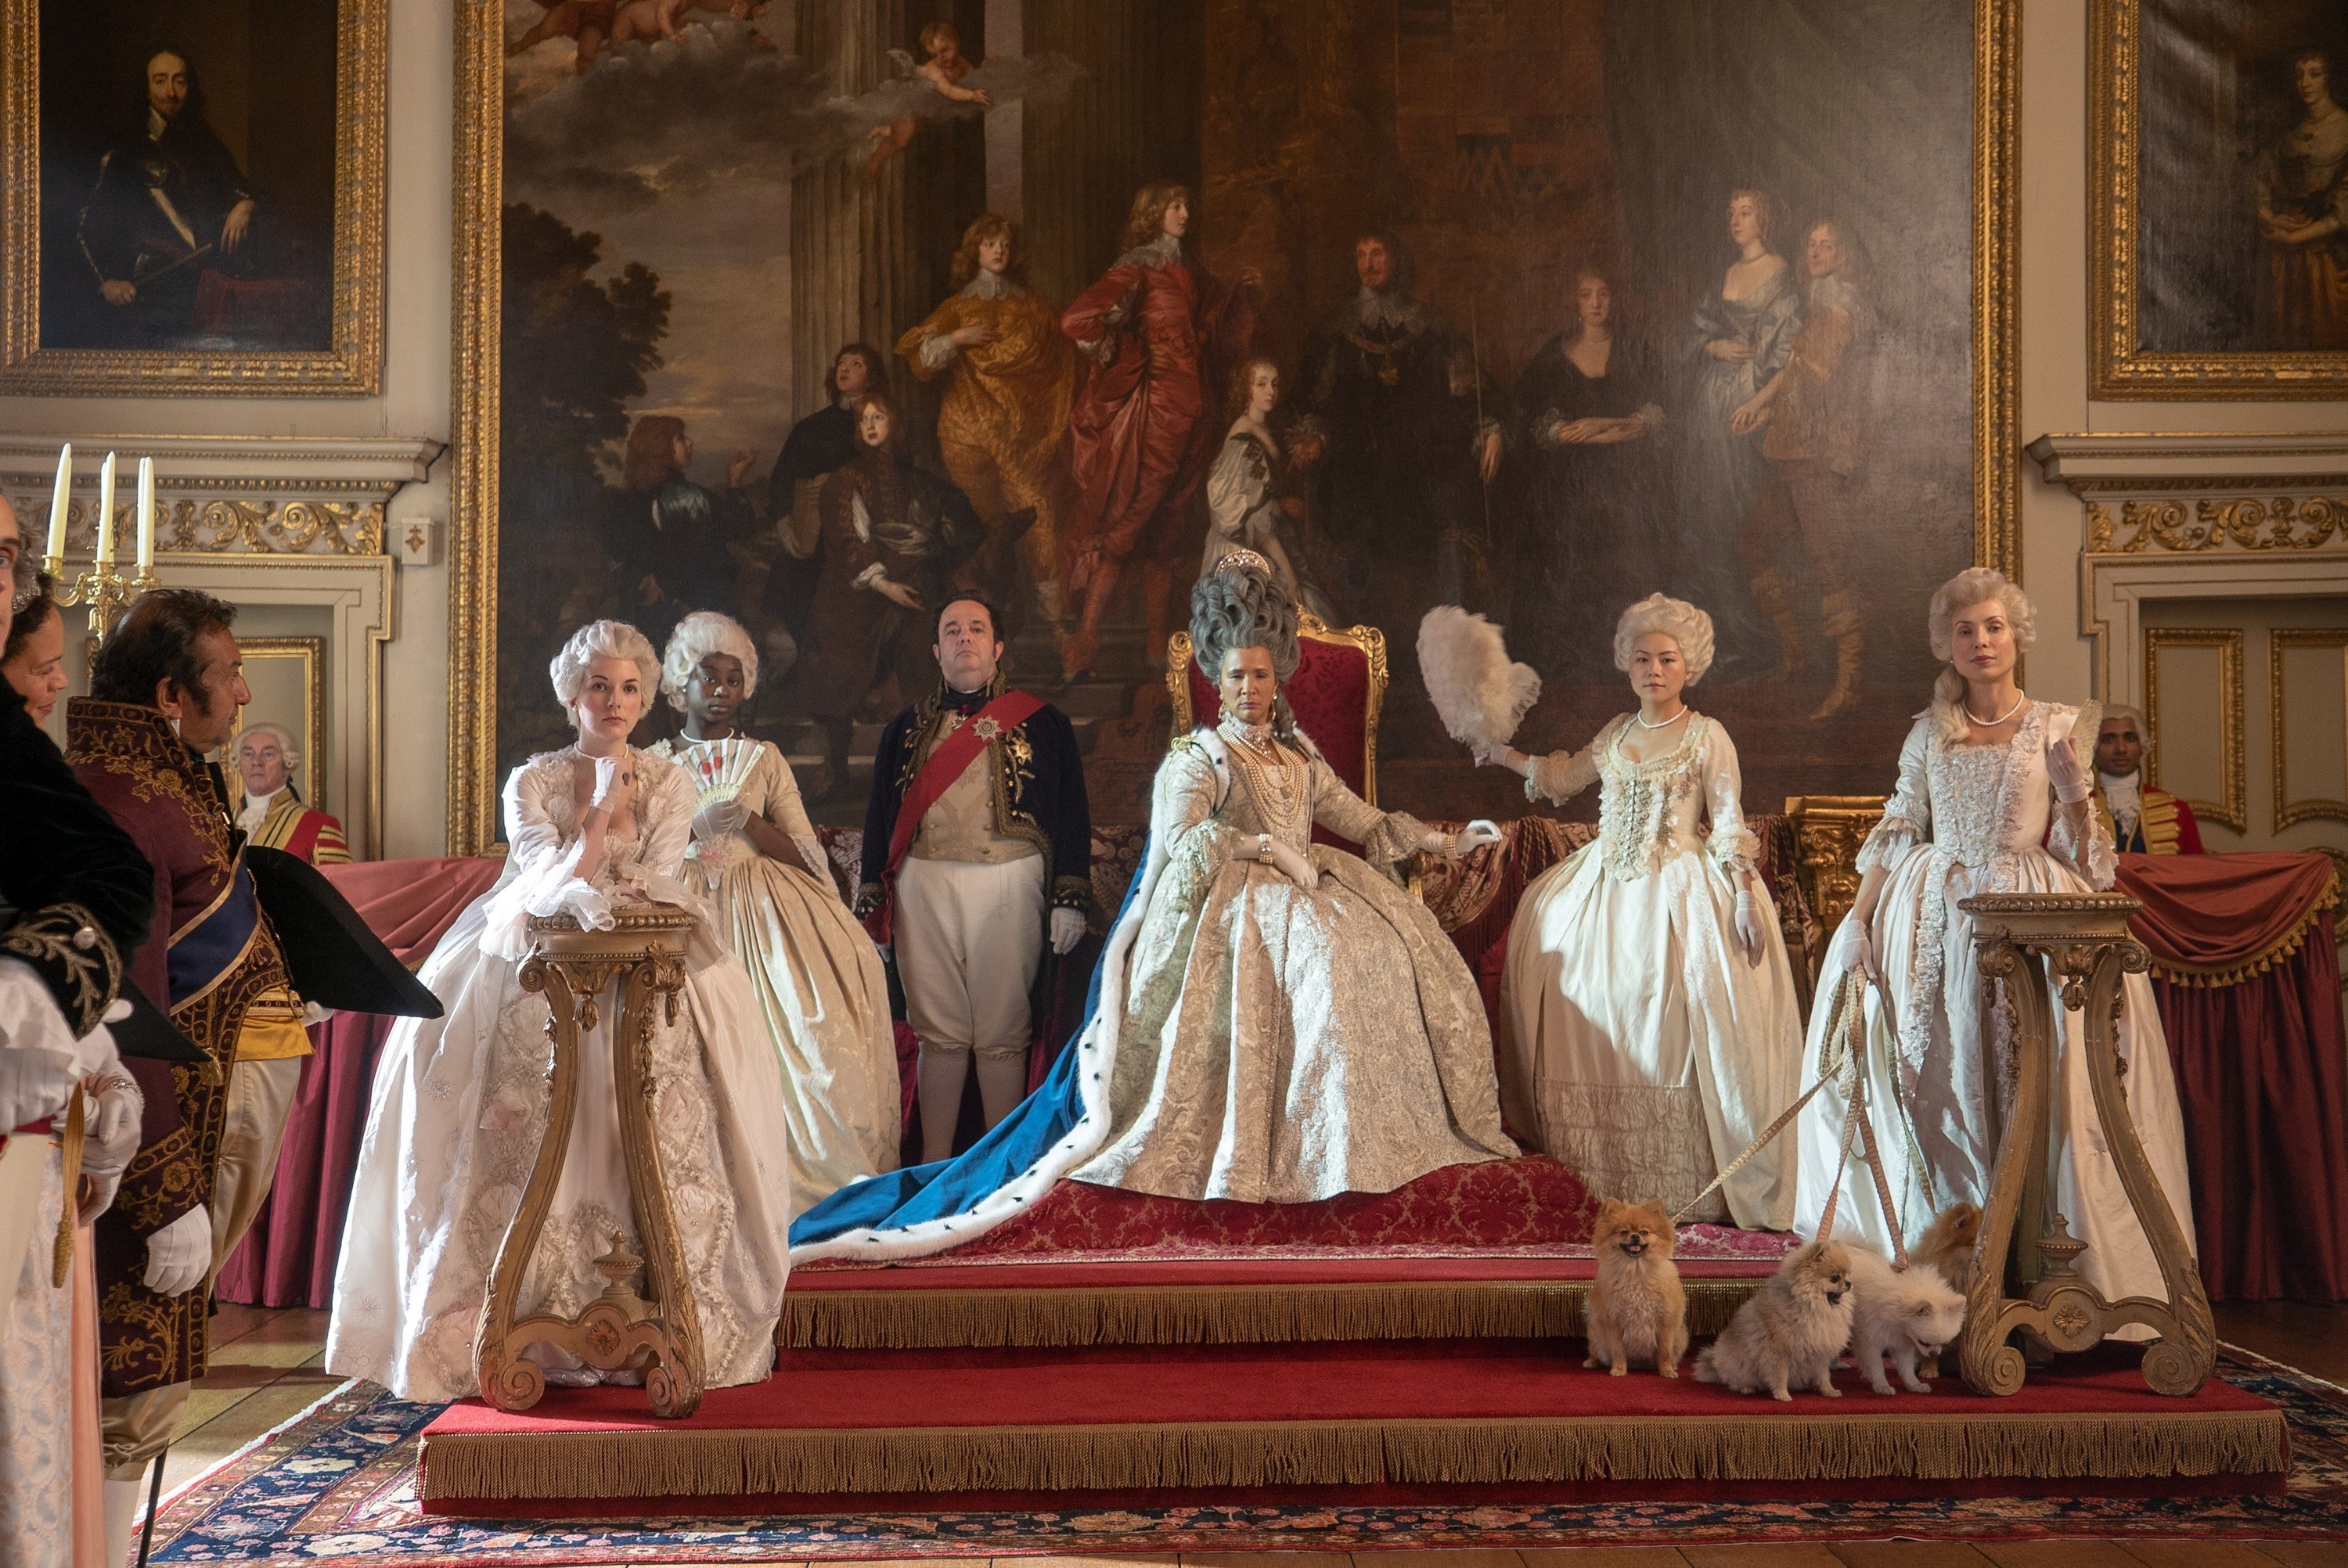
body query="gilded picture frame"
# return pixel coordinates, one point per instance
(2124, 280)
(478, 200)
(305, 662)
(350, 365)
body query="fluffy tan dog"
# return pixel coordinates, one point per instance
(1908, 1317)
(1637, 1310)
(1789, 1331)
(1948, 1245)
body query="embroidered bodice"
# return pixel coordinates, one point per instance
(1684, 802)
(766, 787)
(1986, 807)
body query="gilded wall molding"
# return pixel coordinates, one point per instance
(2279, 641)
(2233, 764)
(351, 367)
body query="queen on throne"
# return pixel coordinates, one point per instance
(1274, 1020)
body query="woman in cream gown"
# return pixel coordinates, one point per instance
(1650, 1028)
(460, 1102)
(1993, 798)
(816, 974)
(1276, 1022)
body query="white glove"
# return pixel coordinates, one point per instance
(1068, 930)
(179, 1253)
(1859, 952)
(96, 1194)
(1476, 836)
(1299, 868)
(2070, 778)
(719, 817)
(111, 1133)
(1748, 929)
(33, 1083)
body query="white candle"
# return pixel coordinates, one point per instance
(146, 514)
(60, 497)
(106, 513)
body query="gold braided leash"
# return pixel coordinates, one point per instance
(71, 1142)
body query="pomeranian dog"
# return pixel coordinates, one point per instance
(1637, 1310)
(1903, 1316)
(1790, 1330)
(1948, 1245)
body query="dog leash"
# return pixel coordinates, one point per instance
(1846, 1029)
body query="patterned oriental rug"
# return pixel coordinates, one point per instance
(337, 1488)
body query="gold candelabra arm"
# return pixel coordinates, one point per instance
(102, 589)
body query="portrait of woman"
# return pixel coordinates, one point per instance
(1251, 504)
(2301, 186)
(1583, 480)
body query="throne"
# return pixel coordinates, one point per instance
(1338, 688)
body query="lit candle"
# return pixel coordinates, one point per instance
(106, 513)
(60, 497)
(146, 515)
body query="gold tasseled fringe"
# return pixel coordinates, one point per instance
(1950, 1443)
(1213, 1314)
(2259, 963)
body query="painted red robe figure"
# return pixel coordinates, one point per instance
(1155, 327)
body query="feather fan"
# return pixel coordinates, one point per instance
(1479, 695)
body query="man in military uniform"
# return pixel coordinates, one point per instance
(164, 690)
(977, 853)
(2139, 819)
(274, 814)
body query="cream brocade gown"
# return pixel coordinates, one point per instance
(461, 1106)
(1967, 820)
(1283, 1044)
(818, 981)
(1636, 1037)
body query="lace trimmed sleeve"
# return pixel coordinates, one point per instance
(2081, 844)
(541, 878)
(1560, 776)
(1908, 815)
(787, 812)
(1732, 845)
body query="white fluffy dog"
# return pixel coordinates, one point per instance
(1902, 1316)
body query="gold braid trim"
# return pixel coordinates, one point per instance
(1213, 1314)
(73, 953)
(1950, 1443)
(2287, 945)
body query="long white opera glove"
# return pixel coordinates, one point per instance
(1850, 949)
(179, 1254)
(720, 818)
(2068, 774)
(1068, 930)
(33, 1083)
(1749, 927)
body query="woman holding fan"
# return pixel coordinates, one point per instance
(816, 974)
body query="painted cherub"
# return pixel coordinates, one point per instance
(942, 71)
(649, 19)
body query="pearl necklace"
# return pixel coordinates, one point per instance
(1993, 723)
(1666, 724)
(1257, 738)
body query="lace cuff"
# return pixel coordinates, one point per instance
(1558, 777)
(1891, 838)
(1394, 839)
(2089, 852)
(1737, 851)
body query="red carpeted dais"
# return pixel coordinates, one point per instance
(1220, 1420)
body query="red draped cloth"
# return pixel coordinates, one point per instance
(2248, 984)
(287, 1259)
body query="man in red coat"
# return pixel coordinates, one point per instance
(2141, 820)
(1159, 330)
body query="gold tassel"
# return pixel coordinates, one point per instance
(1826, 1447)
(61, 1265)
(1213, 1315)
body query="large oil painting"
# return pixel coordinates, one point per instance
(196, 195)
(2223, 154)
(1534, 307)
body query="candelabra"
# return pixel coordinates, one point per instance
(103, 588)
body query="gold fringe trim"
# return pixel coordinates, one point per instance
(1213, 1314)
(2210, 977)
(1826, 1447)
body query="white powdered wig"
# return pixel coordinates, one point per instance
(1676, 619)
(696, 637)
(1479, 694)
(287, 749)
(602, 640)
